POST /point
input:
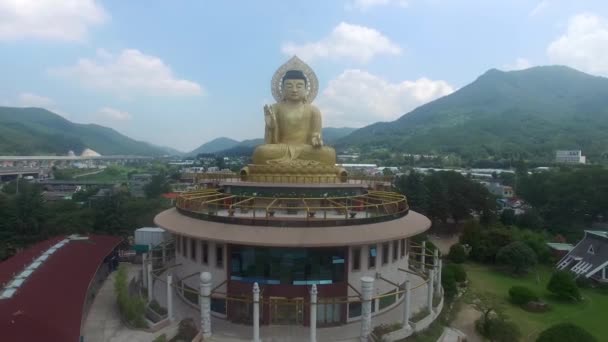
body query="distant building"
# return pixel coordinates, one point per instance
(500, 190)
(589, 258)
(570, 157)
(89, 153)
(138, 182)
(348, 157)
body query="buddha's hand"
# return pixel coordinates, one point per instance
(269, 116)
(316, 140)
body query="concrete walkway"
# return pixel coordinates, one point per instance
(103, 322)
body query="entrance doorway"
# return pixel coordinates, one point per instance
(286, 311)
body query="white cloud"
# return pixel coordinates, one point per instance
(112, 114)
(356, 42)
(364, 5)
(519, 64)
(33, 100)
(540, 7)
(357, 98)
(26, 99)
(130, 71)
(584, 45)
(67, 20)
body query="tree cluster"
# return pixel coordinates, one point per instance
(26, 218)
(567, 197)
(446, 195)
(488, 242)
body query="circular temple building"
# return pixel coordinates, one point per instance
(291, 220)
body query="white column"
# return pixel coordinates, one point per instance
(150, 253)
(205, 303)
(367, 291)
(423, 257)
(438, 287)
(144, 270)
(170, 297)
(313, 313)
(430, 290)
(436, 267)
(256, 312)
(150, 278)
(406, 305)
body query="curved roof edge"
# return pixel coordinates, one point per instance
(406, 226)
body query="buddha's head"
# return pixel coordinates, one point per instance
(294, 86)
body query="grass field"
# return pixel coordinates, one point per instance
(591, 314)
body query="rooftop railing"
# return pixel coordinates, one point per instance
(370, 207)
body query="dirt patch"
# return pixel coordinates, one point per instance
(444, 242)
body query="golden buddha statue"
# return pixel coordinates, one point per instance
(293, 142)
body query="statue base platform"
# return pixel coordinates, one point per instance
(290, 173)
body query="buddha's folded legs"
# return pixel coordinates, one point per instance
(283, 152)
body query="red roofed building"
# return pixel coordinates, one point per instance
(44, 289)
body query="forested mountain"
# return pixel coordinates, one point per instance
(37, 131)
(215, 145)
(528, 113)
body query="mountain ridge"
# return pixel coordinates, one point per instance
(38, 131)
(506, 114)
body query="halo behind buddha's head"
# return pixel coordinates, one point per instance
(295, 75)
(294, 68)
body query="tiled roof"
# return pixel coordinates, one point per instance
(49, 304)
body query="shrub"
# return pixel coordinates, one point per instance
(563, 286)
(521, 295)
(584, 282)
(498, 329)
(457, 254)
(161, 338)
(517, 256)
(449, 284)
(186, 331)
(565, 332)
(460, 275)
(451, 275)
(132, 308)
(157, 308)
(384, 329)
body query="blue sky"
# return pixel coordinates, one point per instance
(179, 73)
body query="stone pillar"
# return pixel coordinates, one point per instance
(438, 288)
(205, 304)
(367, 292)
(313, 313)
(423, 257)
(429, 293)
(256, 312)
(150, 283)
(170, 296)
(144, 270)
(436, 266)
(406, 305)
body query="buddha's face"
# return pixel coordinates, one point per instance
(294, 90)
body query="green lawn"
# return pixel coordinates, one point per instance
(591, 314)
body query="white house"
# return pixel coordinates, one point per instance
(570, 157)
(589, 258)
